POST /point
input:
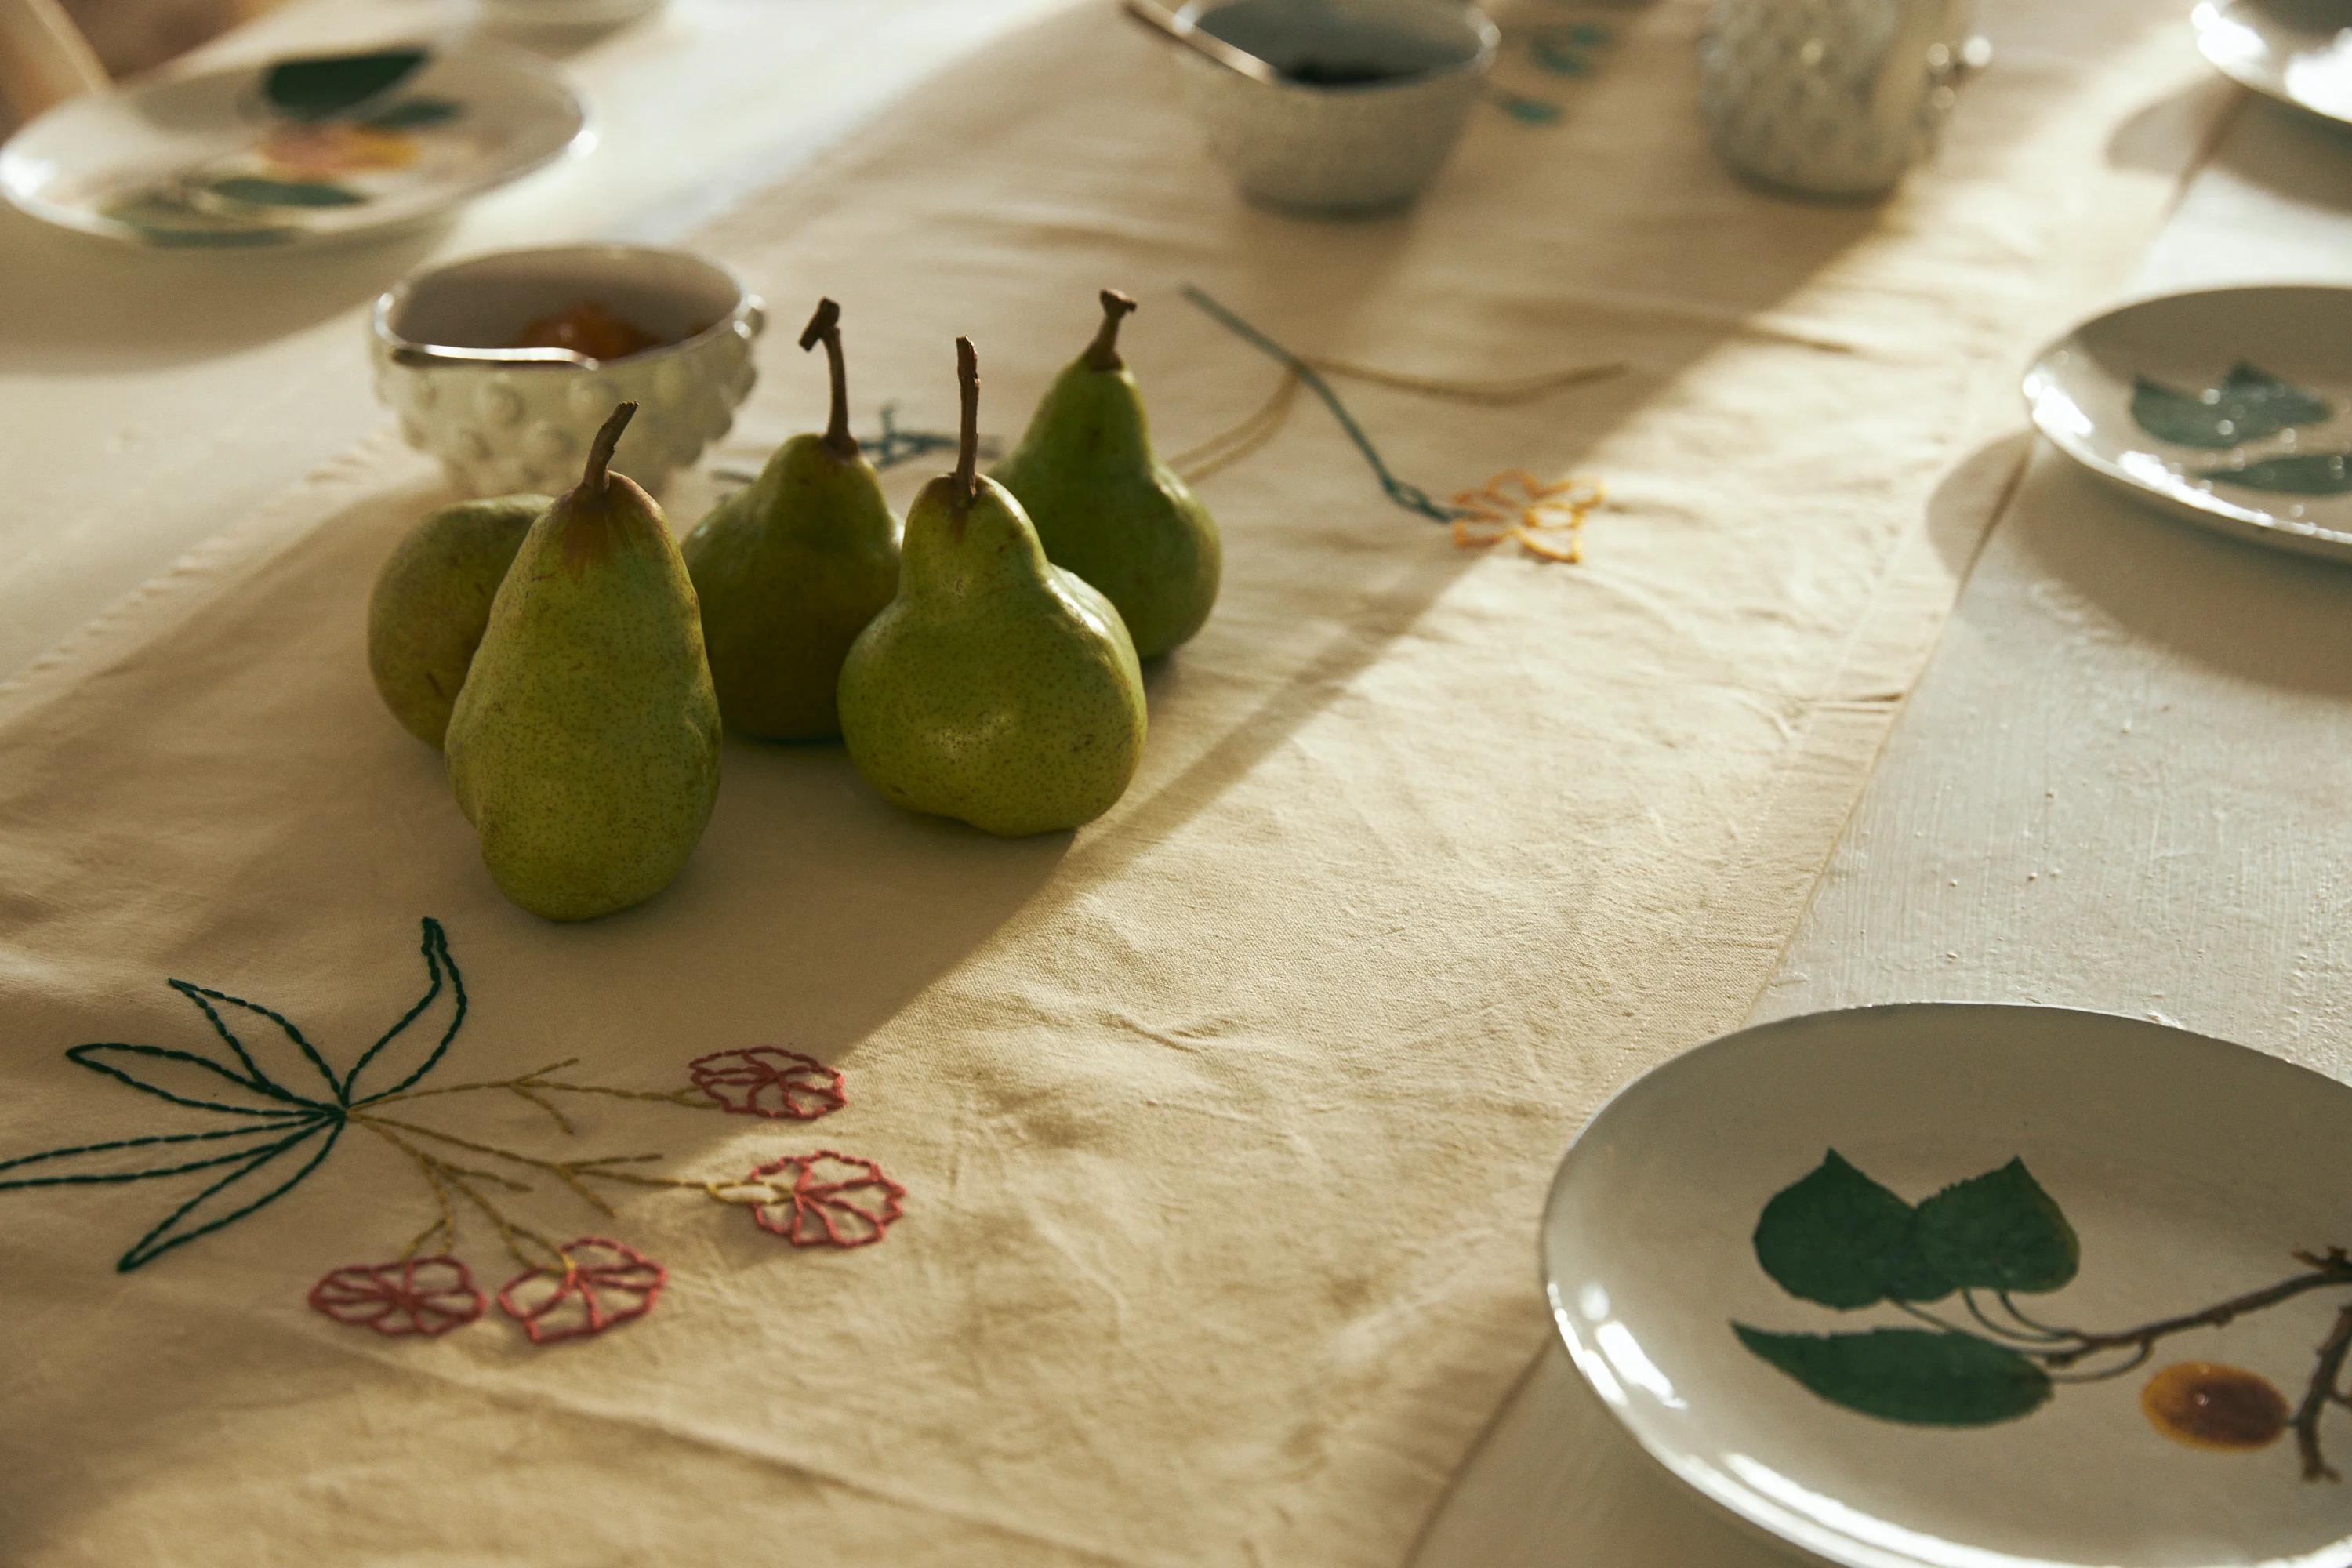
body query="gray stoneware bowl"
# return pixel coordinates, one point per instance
(1337, 150)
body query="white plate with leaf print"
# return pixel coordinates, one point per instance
(1946, 1286)
(2296, 51)
(2231, 408)
(300, 148)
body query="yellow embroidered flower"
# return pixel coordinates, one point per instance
(1546, 520)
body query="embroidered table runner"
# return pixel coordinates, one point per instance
(1161, 1194)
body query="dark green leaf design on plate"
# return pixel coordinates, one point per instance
(2249, 405)
(1999, 1231)
(2304, 474)
(164, 217)
(327, 84)
(416, 113)
(1922, 1376)
(1839, 1238)
(1554, 53)
(254, 191)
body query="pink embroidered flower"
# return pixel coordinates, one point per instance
(769, 1080)
(416, 1296)
(606, 1284)
(835, 1200)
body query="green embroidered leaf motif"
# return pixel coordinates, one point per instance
(416, 113)
(327, 84)
(2305, 474)
(1839, 1238)
(246, 1188)
(272, 1034)
(1922, 1376)
(184, 1077)
(254, 191)
(130, 1158)
(425, 1030)
(2249, 405)
(2000, 1232)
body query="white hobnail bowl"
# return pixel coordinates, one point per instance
(1352, 149)
(503, 420)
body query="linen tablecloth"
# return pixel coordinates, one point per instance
(1221, 1125)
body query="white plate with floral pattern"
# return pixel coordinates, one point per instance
(2230, 407)
(2296, 51)
(1951, 1286)
(294, 149)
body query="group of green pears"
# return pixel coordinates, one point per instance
(576, 664)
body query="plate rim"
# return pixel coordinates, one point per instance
(1813, 1542)
(2208, 510)
(519, 61)
(2204, 18)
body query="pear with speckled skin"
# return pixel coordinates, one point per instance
(996, 688)
(1105, 507)
(432, 601)
(584, 745)
(791, 568)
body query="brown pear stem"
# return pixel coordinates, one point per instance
(967, 469)
(1103, 352)
(824, 327)
(600, 451)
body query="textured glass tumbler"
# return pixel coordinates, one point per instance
(1833, 98)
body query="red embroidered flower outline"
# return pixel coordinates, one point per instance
(606, 1284)
(837, 1200)
(769, 1080)
(424, 1295)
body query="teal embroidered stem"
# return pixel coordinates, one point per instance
(1410, 496)
(148, 1248)
(437, 963)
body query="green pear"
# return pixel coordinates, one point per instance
(584, 746)
(790, 569)
(996, 688)
(432, 600)
(1105, 508)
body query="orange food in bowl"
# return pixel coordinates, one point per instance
(588, 328)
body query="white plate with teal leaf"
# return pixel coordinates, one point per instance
(2296, 51)
(2231, 408)
(300, 148)
(1946, 1286)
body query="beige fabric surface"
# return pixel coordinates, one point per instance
(1224, 1122)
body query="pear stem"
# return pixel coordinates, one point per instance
(824, 327)
(600, 451)
(967, 469)
(1103, 352)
